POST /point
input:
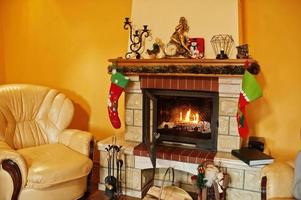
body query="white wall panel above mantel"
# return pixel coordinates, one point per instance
(205, 19)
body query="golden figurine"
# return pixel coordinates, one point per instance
(179, 39)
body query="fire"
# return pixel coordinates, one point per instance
(189, 117)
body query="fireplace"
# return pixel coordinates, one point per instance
(181, 117)
(207, 87)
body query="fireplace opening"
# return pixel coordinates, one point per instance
(187, 118)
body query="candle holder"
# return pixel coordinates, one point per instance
(136, 38)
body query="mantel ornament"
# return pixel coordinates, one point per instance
(179, 42)
(136, 38)
(222, 45)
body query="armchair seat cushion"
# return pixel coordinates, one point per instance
(52, 164)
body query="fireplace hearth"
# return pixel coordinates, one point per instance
(188, 118)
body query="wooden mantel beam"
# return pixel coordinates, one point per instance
(182, 66)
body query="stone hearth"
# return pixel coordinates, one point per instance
(182, 74)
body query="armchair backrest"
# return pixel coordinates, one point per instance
(32, 115)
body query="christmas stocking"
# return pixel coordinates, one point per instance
(250, 92)
(118, 84)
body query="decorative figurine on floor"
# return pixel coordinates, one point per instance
(212, 182)
(179, 42)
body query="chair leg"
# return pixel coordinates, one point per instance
(264, 188)
(12, 168)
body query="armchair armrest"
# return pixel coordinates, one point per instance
(76, 140)
(277, 180)
(14, 164)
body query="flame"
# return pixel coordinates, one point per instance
(189, 117)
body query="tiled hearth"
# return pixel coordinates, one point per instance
(176, 154)
(137, 173)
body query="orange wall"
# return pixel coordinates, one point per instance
(65, 45)
(272, 28)
(2, 78)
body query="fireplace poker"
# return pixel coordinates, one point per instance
(110, 181)
(119, 164)
(118, 168)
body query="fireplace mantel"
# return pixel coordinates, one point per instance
(182, 66)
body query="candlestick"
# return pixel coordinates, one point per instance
(136, 38)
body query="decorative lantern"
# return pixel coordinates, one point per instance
(222, 45)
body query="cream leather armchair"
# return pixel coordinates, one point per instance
(277, 181)
(39, 157)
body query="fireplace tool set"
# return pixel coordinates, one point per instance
(115, 159)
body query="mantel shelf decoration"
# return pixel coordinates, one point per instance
(228, 67)
(136, 38)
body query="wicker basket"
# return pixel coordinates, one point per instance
(167, 192)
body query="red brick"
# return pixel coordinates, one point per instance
(206, 84)
(137, 152)
(210, 155)
(180, 83)
(159, 82)
(160, 153)
(198, 84)
(214, 85)
(190, 83)
(144, 153)
(143, 82)
(175, 155)
(193, 156)
(150, 82)
(167, 151)
(184, 156)
(166, 82)
(201, 157)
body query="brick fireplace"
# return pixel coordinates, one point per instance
(188, 78)
(182, 112)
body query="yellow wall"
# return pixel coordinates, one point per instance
(65, 45)
(2, 78)
(200, 18)
(273, 29)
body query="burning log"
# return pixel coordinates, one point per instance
(201, 126)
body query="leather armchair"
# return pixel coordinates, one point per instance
(277, 181)
(39, 157)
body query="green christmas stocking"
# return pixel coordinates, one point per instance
(250, 91)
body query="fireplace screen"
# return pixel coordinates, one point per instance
(184, 117)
